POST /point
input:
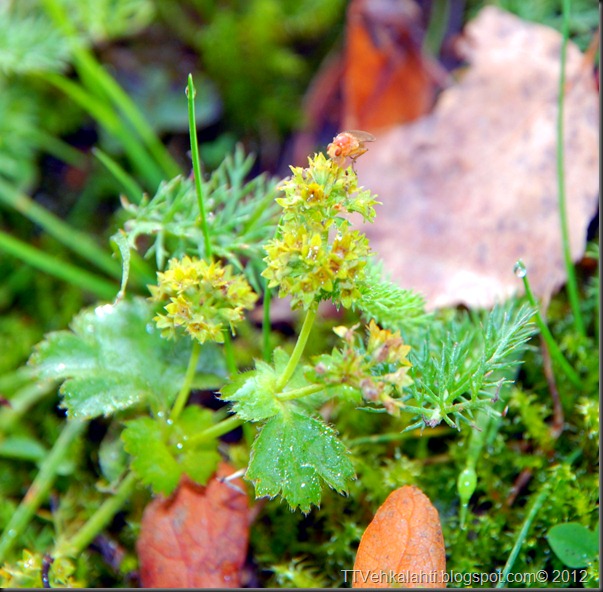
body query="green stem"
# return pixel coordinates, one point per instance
(53, 266)
(397, 436)
(231, 363)
(130, 186)
(221, 428)
(23, 400)
(192, 123)
(185, 390)
(522, 535)
(299, 393)
(572, 285)
(266, 324)
(40, 487)
(548, 337)
(438, 21)
(75, 240)
(75, 544)
(298, 350)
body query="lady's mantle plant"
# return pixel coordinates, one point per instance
(315, 254)
(137, 359)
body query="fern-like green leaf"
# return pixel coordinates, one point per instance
(30, 44)
(388, 304)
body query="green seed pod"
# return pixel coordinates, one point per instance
(466, 484)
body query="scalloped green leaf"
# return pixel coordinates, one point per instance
(574, 544)
(161, 451)
(253, 393)
(113, 358)
(144, 438)
(290, 456)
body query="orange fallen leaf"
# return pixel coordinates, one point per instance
(403, 546)
(196, 538)
(386, 78)
(381, 78)
(471, 188)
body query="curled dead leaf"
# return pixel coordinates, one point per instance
(403, 546)
(196, 538)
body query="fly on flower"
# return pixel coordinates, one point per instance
(348, 144)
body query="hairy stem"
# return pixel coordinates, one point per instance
(300, 392)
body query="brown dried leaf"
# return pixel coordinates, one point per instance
(471, 188)
(405, 539)
(197, 538)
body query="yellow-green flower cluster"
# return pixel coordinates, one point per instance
(203, 299)
(379, 368)
(316, 255)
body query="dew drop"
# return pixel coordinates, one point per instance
(160, 414)
(103, 311)
(179, 446)
(519, 269)
(302, 485)
(12, 533)
(170, 421)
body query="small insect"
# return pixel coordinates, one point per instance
(348, 144)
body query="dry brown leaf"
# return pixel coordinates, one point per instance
(404, 540)
(197, 538)
(471, 188)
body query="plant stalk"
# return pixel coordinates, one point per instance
(40, 487)
(75, 544)
(300, 393)
(190, 91)
(572, 284)
(185, 389)
(298, 350)
(550, 340)
(221, 428)
(522, 535)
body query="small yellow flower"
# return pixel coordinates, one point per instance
(203, 299)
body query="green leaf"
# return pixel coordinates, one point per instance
(30, 44)
(161, 454)
(153, 462)
(253, 393)
(574, 544)
(291, 453)
(113, 358)
(199, 462)
(112, 456)
(389, 305)
(23, 448)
